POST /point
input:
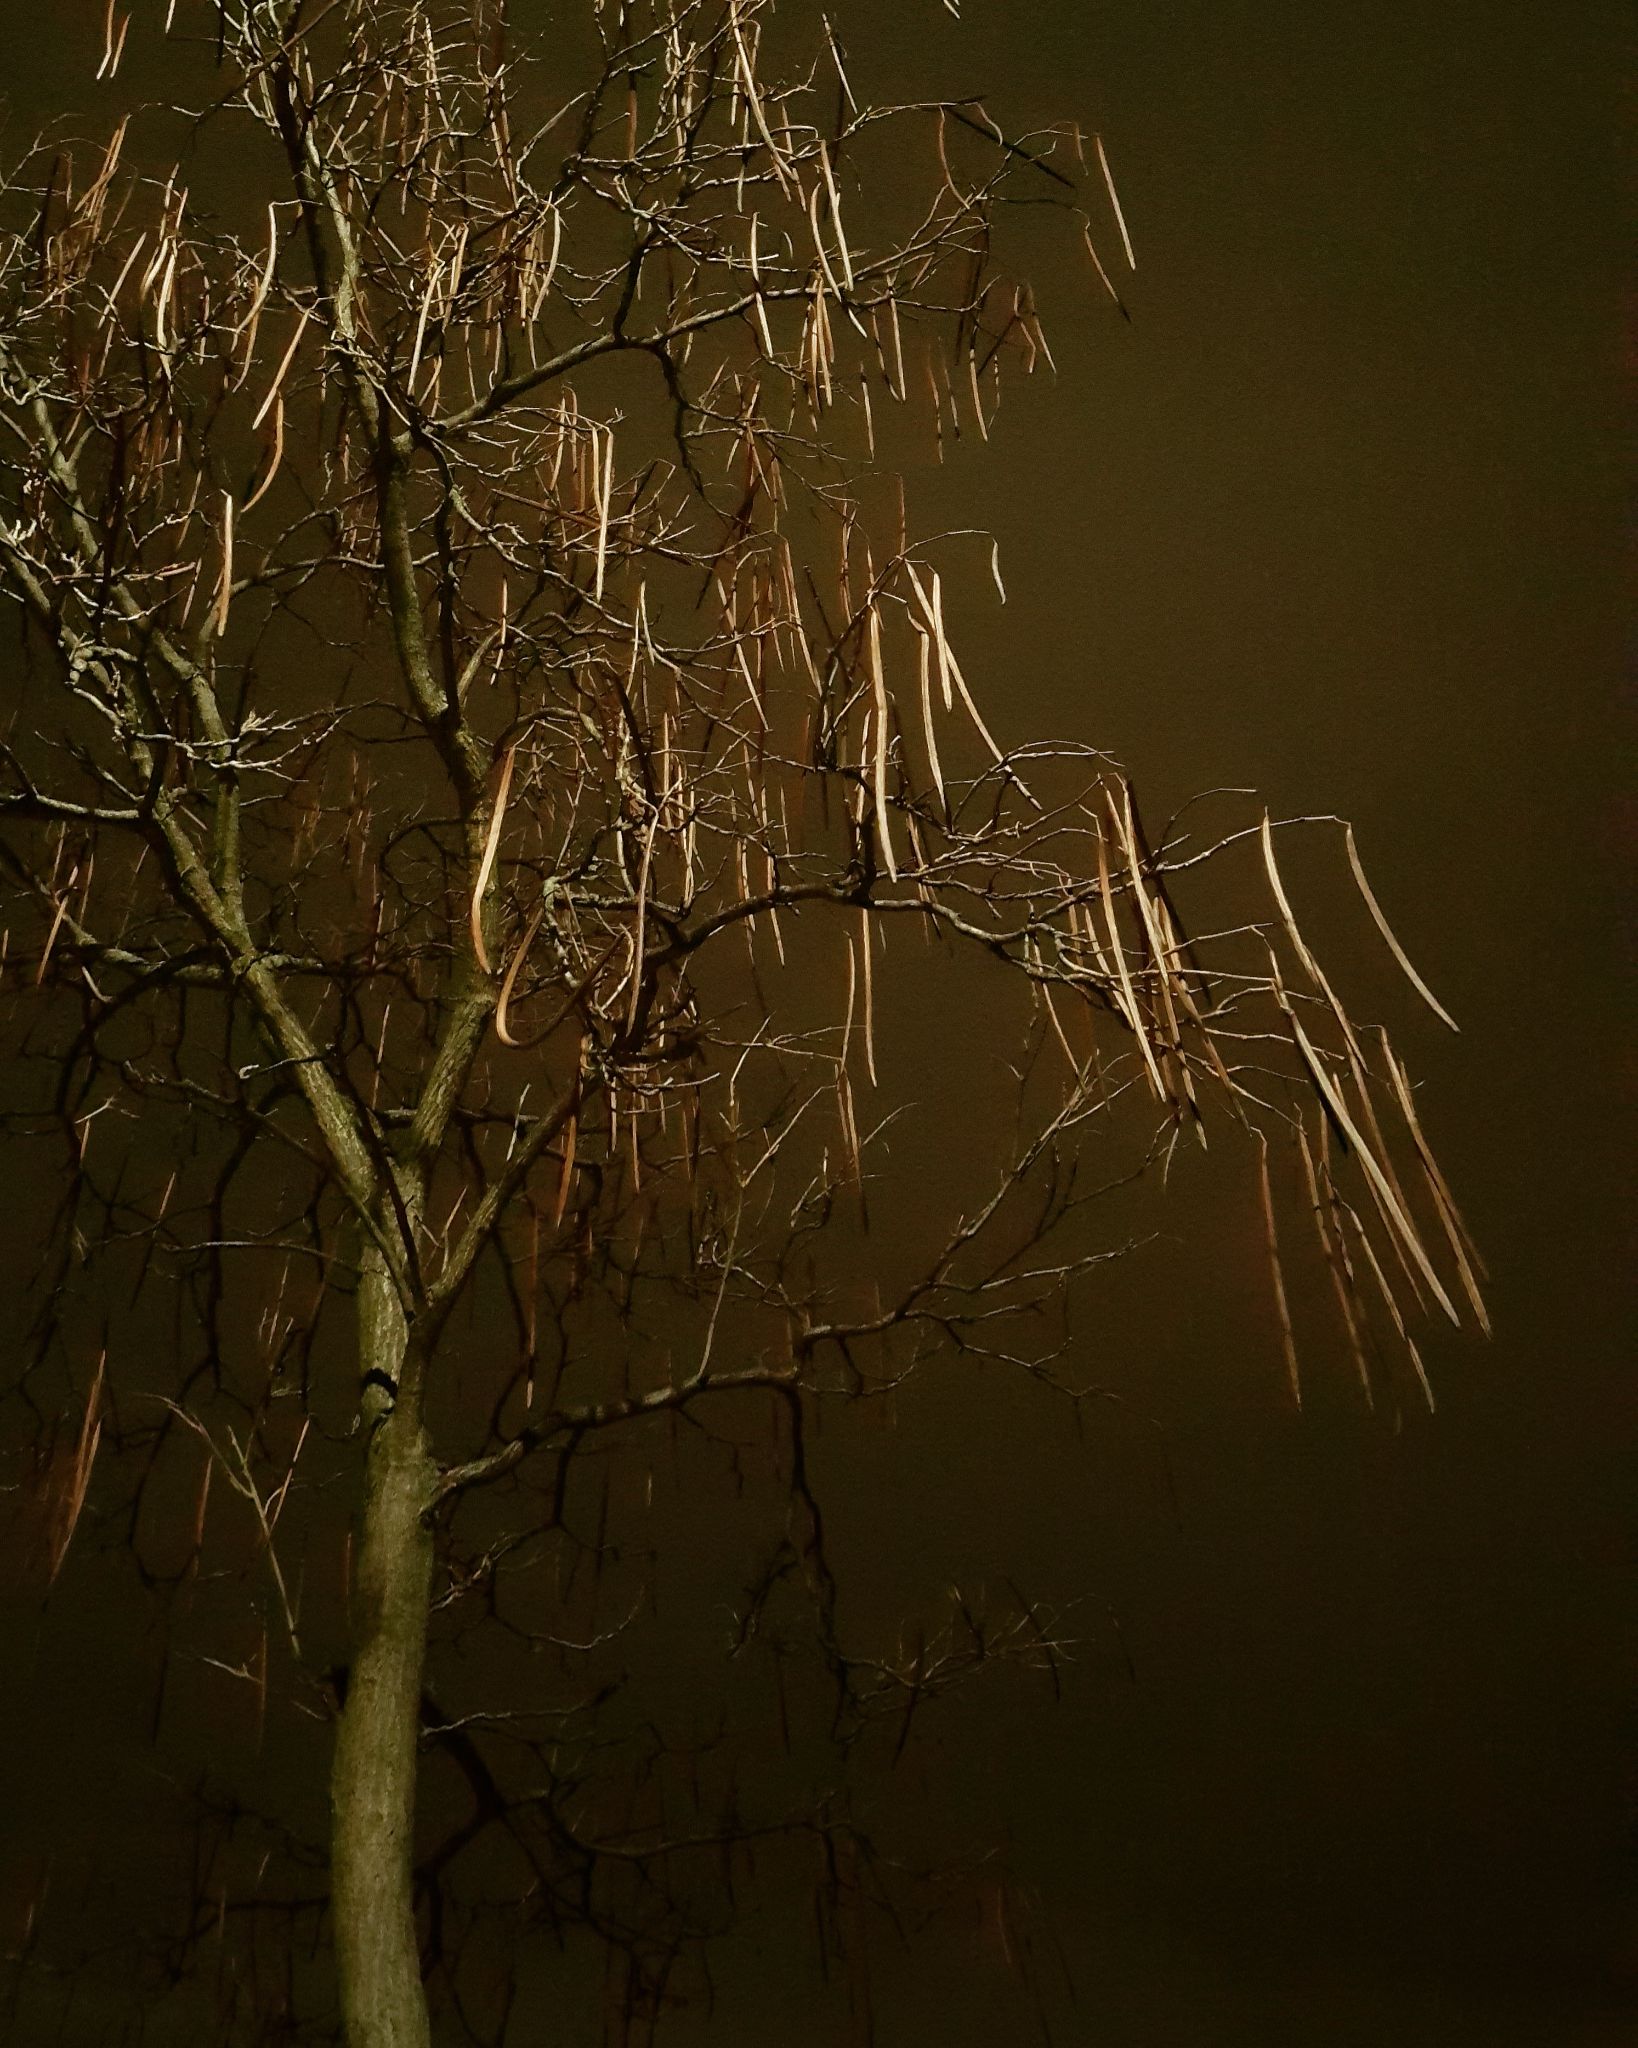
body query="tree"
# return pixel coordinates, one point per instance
(484, 721)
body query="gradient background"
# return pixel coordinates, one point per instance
(1339, 515)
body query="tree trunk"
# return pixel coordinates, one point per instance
(373, 1777)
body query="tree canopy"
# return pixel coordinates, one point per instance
(490, 752)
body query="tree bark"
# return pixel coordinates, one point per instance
(378, 1961)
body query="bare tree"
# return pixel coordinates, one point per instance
(486, 742)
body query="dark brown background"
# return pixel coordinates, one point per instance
(1339, 515)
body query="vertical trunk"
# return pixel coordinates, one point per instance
(373, 1777)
